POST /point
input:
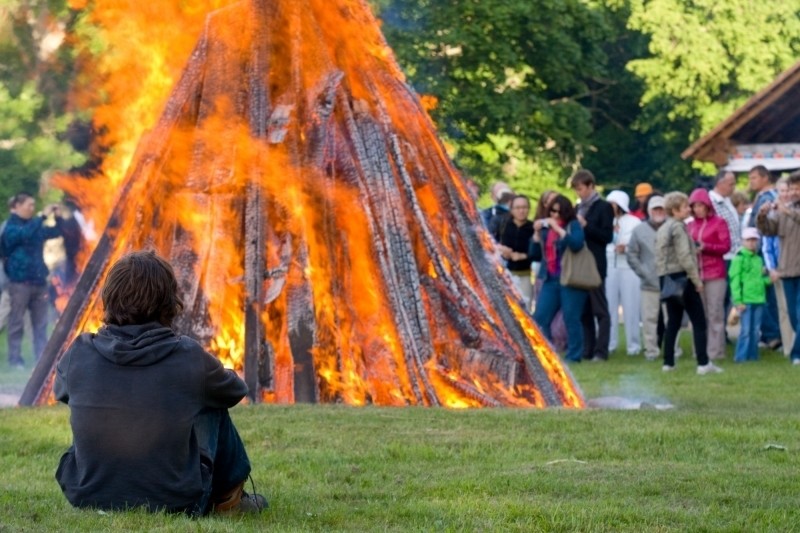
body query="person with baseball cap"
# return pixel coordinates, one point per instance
(749, 294)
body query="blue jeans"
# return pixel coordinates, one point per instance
(747, 345)
(224, 464)
(770, 329)
(791, 288)
(552, 297)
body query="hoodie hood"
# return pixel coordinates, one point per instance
(135, 345)
(701, 195)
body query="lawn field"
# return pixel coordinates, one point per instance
(725, 458)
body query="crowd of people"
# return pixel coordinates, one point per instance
(712, 256)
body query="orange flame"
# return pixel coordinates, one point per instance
(191, 205)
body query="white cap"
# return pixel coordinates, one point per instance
(620, 198)
(749, 233)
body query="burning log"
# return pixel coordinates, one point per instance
(324, 244)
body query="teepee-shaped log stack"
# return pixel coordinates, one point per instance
(324, 243)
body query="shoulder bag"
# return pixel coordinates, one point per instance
(579, 269)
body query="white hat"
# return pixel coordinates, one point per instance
(654, 202)
(620, 198)
(749, 233)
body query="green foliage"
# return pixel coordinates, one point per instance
(705, 59)
(529, 90)
(35, 73)
(508, 102)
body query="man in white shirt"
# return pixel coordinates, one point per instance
(720, 195)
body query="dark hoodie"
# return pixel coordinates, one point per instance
(134, 392)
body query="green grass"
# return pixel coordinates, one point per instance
(706, 465)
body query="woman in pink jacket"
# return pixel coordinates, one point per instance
(710, 233)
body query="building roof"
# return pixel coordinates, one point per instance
(770, 116)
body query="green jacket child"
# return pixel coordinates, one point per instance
(748, 279)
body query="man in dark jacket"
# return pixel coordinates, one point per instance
(23, 247)
(148, 408)
(597, 218)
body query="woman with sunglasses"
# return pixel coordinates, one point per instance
(551, 237)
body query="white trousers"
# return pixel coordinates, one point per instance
(623, 289)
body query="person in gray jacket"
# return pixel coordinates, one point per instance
(642, 259)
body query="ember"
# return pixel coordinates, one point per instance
(325, 245)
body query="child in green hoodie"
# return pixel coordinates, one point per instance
(749, 293)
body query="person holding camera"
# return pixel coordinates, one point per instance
(783, 220)
(551, 237)
(22, 247)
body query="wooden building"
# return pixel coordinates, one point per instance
(764, 131)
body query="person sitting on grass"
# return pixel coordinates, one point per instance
(148, 408)
(749, 294)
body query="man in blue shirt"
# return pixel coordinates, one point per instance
(22, 244)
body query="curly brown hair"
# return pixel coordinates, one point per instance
(141, 287)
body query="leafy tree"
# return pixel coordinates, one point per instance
(705, 59)
(512, 80)
(34, 75)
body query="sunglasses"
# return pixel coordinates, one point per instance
(554, 210)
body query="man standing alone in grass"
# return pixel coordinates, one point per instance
(149, 409)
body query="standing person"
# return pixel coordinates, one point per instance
(557, 327)
(720, 196)
(771, 251)
(641, 193)
(748, 290)
(514, 239)
(724, 187)
(622, 283)
(712, 239)
(23, 246)
(496, 191)
(149, 409)
(552, 236)
(642, 260)
(784, 220)
(762, 183)
(676, 258)
(597, 219)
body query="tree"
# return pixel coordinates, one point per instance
(511, 78)
(705, 59)
(34, 76)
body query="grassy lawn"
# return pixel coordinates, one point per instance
(725, 458)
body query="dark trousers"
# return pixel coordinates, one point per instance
(770, 328)
(595, 339)
(31, 298)
(224, 463)
(692, 304)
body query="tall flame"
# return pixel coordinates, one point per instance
(333, 232)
